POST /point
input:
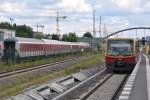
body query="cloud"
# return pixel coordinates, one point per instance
(116, 23)
(8, 7)
(129, 5)
(75, 6)
(98, 6)
(4, 19)
(147, 6)
(117, 14)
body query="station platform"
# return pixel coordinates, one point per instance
(137, 86)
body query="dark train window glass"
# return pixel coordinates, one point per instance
(120, 47)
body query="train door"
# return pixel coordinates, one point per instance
(9, 51)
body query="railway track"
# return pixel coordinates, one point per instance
(81, 89)
(95, 83)
(94, 88)
(56, 88)
(6, 74)
(108, 89)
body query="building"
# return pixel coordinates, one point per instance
(5, 33)
(95, 43)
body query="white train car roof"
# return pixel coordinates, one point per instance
(28, 40)
(65, 43)
(83, 44)
(46, 41)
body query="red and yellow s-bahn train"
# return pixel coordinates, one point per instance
(121, 54)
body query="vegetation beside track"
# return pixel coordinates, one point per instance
(38, 61)
(26, 81)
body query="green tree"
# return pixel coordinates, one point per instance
(14, 26)
(72, 37)
(55, 36)
(21, 30)
(5, 25)
(24, 31)
(88, 35)
(47, 36)
(98, 46)
(39, 36)
(65, 37)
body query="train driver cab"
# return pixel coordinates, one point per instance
(9, 50)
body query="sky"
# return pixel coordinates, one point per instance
(115, 14)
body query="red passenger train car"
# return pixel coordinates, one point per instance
(18, 48)
(121, 54)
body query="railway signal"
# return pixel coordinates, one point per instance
(143, 40)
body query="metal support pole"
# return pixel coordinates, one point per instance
(117, 35)
(11, 21)
(144, 33)
(42, 28)
(130, 34)
(136, 33)
(37, 26)
(94, 33)
(100, 22)
(57, 23)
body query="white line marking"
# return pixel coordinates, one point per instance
(125, 92)
(123, 97)
(148, 76)
(131, 81)
(127, 89)
(129, 84)
(132, 77)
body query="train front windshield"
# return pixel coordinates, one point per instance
(120, 47)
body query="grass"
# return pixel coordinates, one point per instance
(36, 80)
(38, 61)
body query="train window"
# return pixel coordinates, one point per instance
(120, 47)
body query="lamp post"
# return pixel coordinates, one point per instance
(11, 21)
(42, 26)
